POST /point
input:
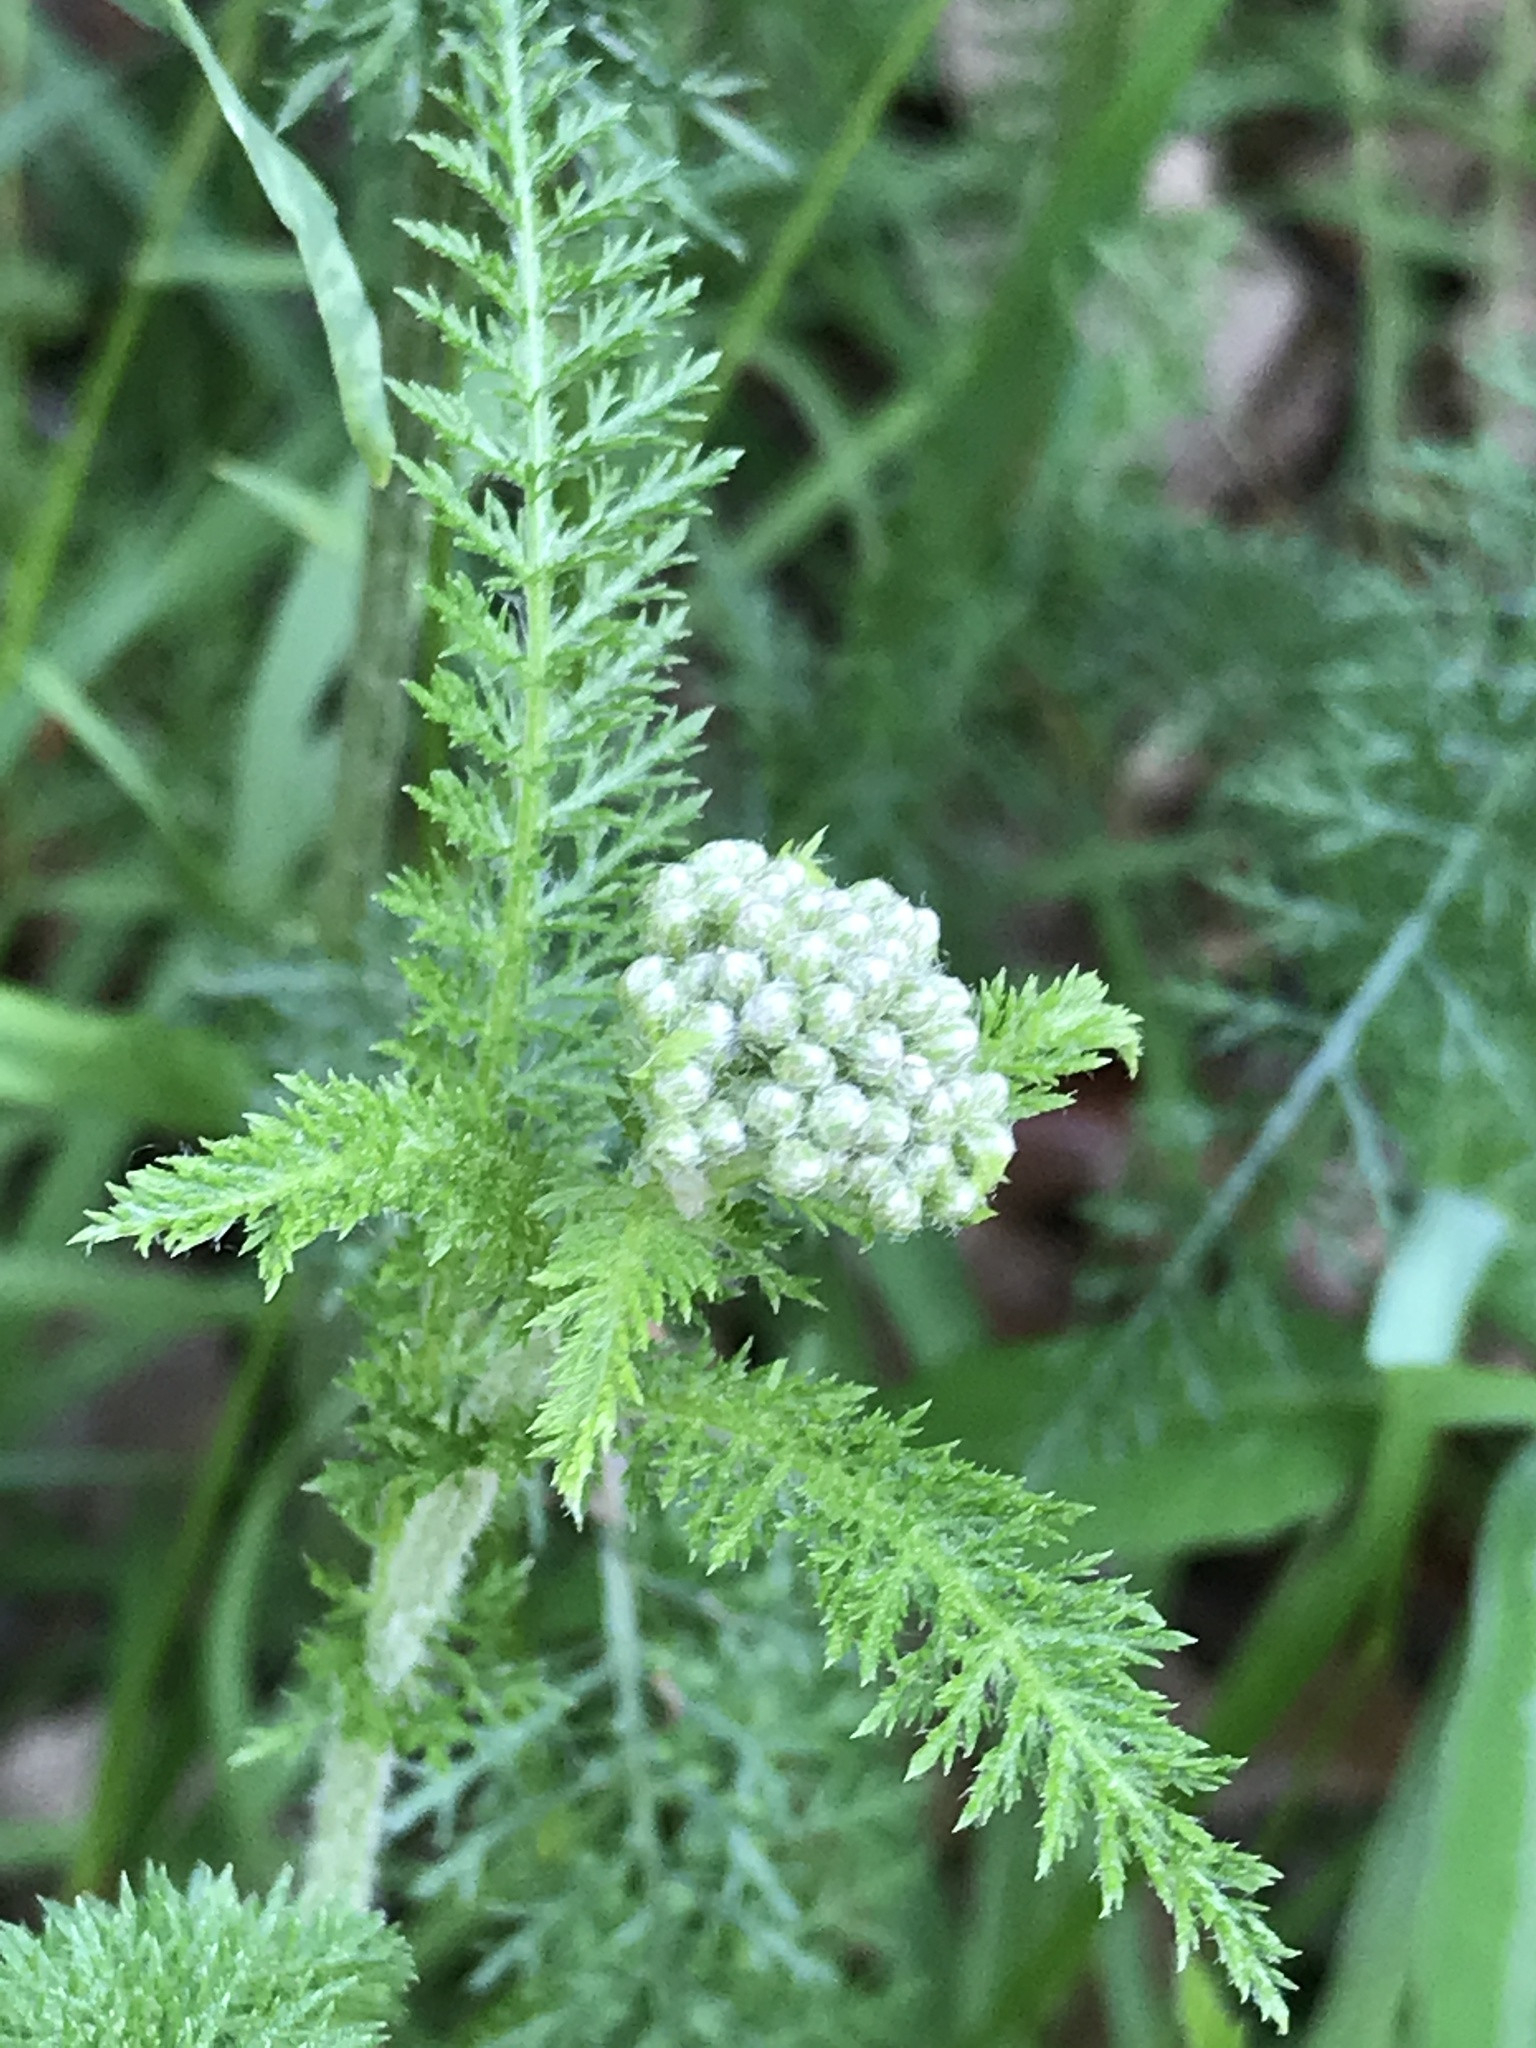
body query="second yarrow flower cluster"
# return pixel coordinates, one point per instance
(804, 1039)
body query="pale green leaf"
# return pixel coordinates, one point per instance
(304, 207)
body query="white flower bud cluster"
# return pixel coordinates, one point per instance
(804, 1038)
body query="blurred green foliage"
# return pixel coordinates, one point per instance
(944, 604)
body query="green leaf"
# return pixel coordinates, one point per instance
(302, 204)
(1361, 2002)
(1025, 1661)
(624, 1263)
(53, 1056)
(1039, 1037)
(340, 1152)
(1474, 1938)
(1204, 2021)
(1207, 1486)
(1430, 1280)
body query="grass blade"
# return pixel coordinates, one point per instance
(304, 207)
(1474, 1949)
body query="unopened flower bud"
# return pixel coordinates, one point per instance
(695, 976)
(838, 1115)
(771, 1016)
(916, 1006)
(831, 1013)
(674, 880)
(721, 1132)
(924, 929)
(927, 1165)
(675, 924)
(642, 975)
(772, 1110)
(913, 1080)
(680, 1091)
(743, 857)
(876, 1055)
(804, 1065)
(957, 1201)
(983, 1096)
(756, 924)
(713, 1027)
(780, 880)
(950, 1044)
(796, 1169)
(674, 1147)
(659, 1006)
(934, 1116)
(887, 1128)
(896, 1209)
(991, 1153)
(810, 957)
(738, 975)
(873, 976)
(877, 899)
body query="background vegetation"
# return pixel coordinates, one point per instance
(1131, 554)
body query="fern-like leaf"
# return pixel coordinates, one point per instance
(1024, 1658)
(340, 1151)
(1036, 1035)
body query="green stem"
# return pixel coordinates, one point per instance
(416, 1584)
(626, 1664)
(509, 990)
(1325, 1589)
(1507, 98)
(375, 708)
(37, 558)
(347, 1828)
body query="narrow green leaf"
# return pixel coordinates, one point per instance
(223, 264)
(1214, 1485)
(1474, 1940)
(304, 207)
(332, 525)
(1204, 2021)
(121, 762)
(53, 1056)
(1423, 1297)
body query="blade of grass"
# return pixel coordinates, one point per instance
(304, 207)
(1367, 1977)
(751, 318)
(1007, 392)
(37, 558)
(1473, 1952)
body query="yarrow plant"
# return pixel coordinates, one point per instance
(628, 1075)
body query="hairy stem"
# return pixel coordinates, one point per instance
(416, 1582)
(347, 1828)
(626, 1660)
